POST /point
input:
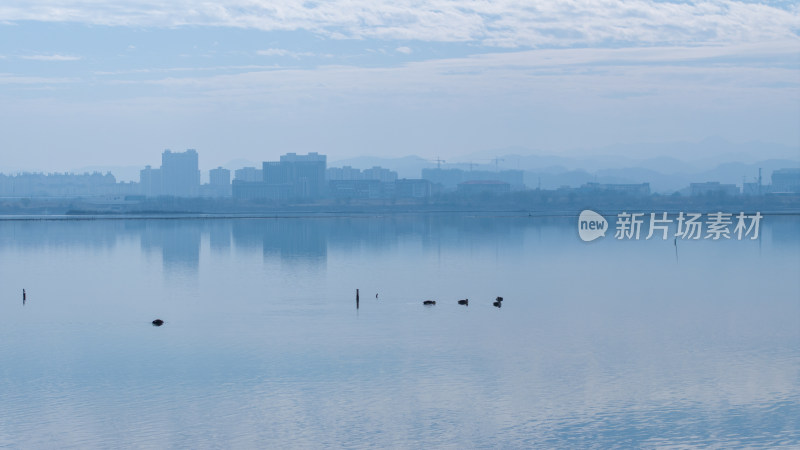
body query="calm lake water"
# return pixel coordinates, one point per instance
(608, 343)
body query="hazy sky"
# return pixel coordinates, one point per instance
(98, 82)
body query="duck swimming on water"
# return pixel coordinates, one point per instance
(158, 323)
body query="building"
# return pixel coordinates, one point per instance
(305, 174)
(712, 188)
(274, 172)
(180, 175)
(258, 190)
(448, 178)
(350, 173)
(57, 185)
(412, 188)
(347, 182)
(635, 189)
(754, 189)
(219, 177)
(786, 180)
(249, 174)
(451, 178)
(219, 183)
(362, 189)
(294, 177)
(150, 182)
(380, 174)
(343, 173)
(476, 187)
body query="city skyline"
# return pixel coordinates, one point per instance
(307, 177)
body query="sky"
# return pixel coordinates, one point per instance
(115, 82)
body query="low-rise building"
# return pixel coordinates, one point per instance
(259, 190)
(786, 180)
(412, 188)
(713, 188)
(476, 187)
(636, 189)
(347, 189)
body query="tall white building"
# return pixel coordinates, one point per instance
(180, 173)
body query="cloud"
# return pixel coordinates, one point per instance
(404, 50)
(6, 78)
(228, 68)
(283, 53)
(502, 23)
(273, 52)
(678, 74)
(52, 57)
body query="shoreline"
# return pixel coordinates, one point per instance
(351, 215)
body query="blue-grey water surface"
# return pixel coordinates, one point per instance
(608, 343)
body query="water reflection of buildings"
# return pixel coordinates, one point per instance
(287, 239)
(34, 234)
(308, 240)
(783, 229)
(178, 241)
(219, 235)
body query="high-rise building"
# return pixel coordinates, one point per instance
(219, 177)
(150, 181)
(343, 173)
(274, 172)
(219, 183)
(180, 175)
(250, 174)
(304, 173)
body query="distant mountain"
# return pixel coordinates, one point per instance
(709, 151)
(668, 167)
(669, 157)
(666, 181)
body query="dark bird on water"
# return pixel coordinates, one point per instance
(497, 304)
(499, 299)
(429, 302)
(158, 323)
(464, 302)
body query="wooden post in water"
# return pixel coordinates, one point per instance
(356, 298)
